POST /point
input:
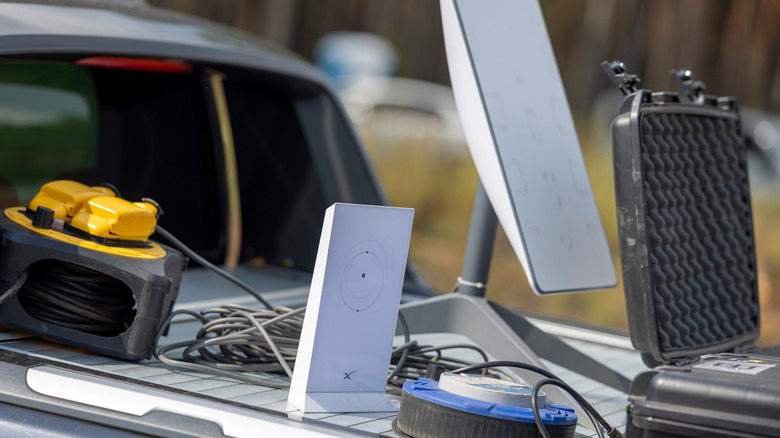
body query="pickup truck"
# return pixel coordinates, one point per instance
(243, 145)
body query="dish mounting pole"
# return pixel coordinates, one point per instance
(501, 332)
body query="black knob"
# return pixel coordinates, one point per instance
(43, 217)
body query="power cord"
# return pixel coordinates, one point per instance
(592, 413)
(205, 263)
(411, 360)
(551, 379)
(77, 297)
(237, 338)
(232, 337)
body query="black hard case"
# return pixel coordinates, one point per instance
(685, 225)
(689, 271)
(688, 401)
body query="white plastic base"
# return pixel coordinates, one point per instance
(344, 402)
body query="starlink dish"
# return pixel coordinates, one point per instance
(521, 135)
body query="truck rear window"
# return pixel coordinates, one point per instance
(144, 132)
(153, 134)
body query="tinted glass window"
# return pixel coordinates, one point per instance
(154, 140)
(47, 126)
(296, 157)
(146, 133)
(282, 199)
(151, 135)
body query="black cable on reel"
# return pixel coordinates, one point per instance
(78, 298)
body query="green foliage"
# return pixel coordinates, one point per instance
(48, 126)
(31, 157)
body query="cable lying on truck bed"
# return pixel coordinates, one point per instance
(410, 360)
(236, 338)
(232, 337)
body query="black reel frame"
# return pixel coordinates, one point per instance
(154, 284)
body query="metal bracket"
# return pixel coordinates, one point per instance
(688, 87)
(625, 82)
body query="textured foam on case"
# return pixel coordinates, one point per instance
(699, 229)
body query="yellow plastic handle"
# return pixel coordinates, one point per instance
(112, 217)
(66, 197)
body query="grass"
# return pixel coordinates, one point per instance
(440, 186)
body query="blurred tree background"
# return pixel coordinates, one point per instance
(731, 45)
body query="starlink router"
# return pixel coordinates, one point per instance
(347, 337)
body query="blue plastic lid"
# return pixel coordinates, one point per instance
(428, 390)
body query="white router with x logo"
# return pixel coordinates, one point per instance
(347, 337)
